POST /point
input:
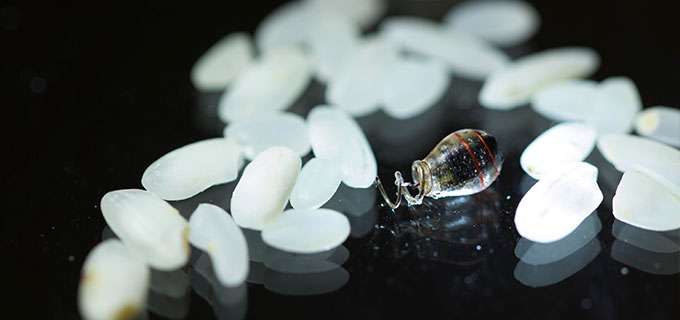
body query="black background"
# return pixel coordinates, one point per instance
(102, 90)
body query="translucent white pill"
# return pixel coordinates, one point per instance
(558, 203)
(307, 231)
(258, 133)
(113, 283)
(331, 41)
(558, 147)
(504, 23)
(644, 202)
(614, 106)
(149, 226)
(627, 152)
(283, 27)
(272, 84)
(355, 88)
(186, 171)
(362, 12)
(335, 136)
(317, 183)
(214, 231)
(264, 188)
(513, 86)
(660, 123)
(568, 100)
(413, 86)
(223, 62)
(464, 54)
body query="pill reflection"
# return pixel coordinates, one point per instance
(551, 273)
(648, 251)
(305, 274)
(169, 294)
(227, 303)
(661, 242)
(543, 253)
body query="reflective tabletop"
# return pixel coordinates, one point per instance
(114, 94)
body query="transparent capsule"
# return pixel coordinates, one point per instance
(465, 162)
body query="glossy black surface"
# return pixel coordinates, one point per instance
(103, 90)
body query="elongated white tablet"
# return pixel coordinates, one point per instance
(628, 152)
(223, 62)
(331, 40)
(307, 231)
(149, 226)
(364, 13)
(113, 283)
(214, 231)
(513, 86)
(413, 86)
(357, 88)
(271, 84)
(283, 27)
(558, 203)
(317, 183)
(643, 202)
(335, 136)
(568, 100)
(614, 106)
(464, 54)
(186, 171)
(264, 131)
(264, 188)
(501, 22)
(659, 123)
(558, 147)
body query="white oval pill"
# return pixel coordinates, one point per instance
(413, 86)
(504, 23)
(464, 54)
(354, 89)
(558, 147)
(186, 171)
(113, 283)
(558, 203)
(364, 13)
(307, 231)
(628, 152)
(149, 226)
(271, 84)
(513, 86)
(331, 40)
(214, 231)
(335, 136)
(660, 123)
(264, 188)
(614, 106)
(268, 130)
(223, 62)
(642, 201)
(317, 183)
(283, 27)
(568, 100)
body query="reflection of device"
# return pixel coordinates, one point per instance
(450, 230)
